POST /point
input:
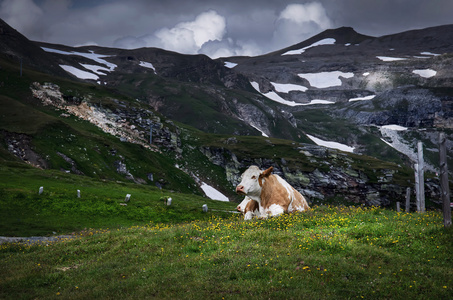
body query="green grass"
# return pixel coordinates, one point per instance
(326, 253)
(24, 212)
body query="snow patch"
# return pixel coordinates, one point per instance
(426, 73)
(366, 74)
(318, 101)
(147, 65)
(394, 127)
(333, 145)
(429, 53)
(327, 41)
(274, 97)
(262, 132)
(388, 58)
(391, 132)
(288, 87)
(91, 55)
(362, 98)
(325, 79)
(79, 73)
(230, 64)
(95, 69)
(212, 193)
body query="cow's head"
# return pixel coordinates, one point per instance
(241, 207)
(252, 182)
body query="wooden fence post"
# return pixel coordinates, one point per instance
(444, 185)
(417, 188)
(408, 199)
(421, 175)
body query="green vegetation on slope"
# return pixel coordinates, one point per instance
(326, 253)
(24, 212)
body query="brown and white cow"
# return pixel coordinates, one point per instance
(249, 208)
(273, 194)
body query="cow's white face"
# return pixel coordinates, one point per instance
(243, 204)
(251, 182)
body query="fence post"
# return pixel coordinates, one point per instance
(444, 185)
(408, 199)
(398, 206)
(417, 188)
(421, 175)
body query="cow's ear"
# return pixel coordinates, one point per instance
(267, 172)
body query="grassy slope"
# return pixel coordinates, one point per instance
(327, 253)
(86, 144)
(25, 213)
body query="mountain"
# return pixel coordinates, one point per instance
(16, 47)
(89, 110)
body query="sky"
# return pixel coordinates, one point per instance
(215, 28)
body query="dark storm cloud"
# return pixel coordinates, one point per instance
(216, 28)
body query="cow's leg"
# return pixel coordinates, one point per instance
(248, 215)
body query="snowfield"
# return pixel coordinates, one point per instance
(429, 53)
(362, 98)
(426, 73)
(230, 64)
(91, 55)
(332, 145)
(147, 65)
(288, 87)
(325, 79)
(212, 193)
(394, 127)
(95, 69)
(274, 97)
(327, 41)
(387, 58)
(262, 132)
(79, 73)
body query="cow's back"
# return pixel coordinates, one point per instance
(277, 192)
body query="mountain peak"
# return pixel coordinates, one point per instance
(17, 47)
(342, 35)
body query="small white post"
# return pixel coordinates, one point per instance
(444, 183)
(205, 208)
(417, 187)
(168, 201)
(41, 189)
(408, 199)
(128, 197)
(78, 193)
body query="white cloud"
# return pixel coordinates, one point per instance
(177, 39)
(228, 47)
(20, 14)
(298, 22)
(185, 37)
(304, 13)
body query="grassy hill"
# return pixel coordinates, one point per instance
(58, 210)
(326, 253)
